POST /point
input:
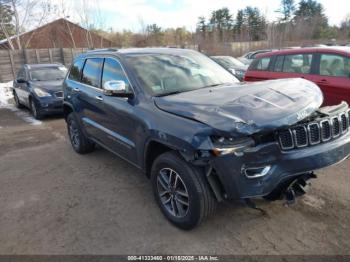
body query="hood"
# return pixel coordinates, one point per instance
(242, 68)
(49, 86)
(247, 108)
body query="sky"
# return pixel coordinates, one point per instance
(128, 14)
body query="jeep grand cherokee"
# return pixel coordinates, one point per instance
(198, 134)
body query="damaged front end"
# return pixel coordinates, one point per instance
(278, 163)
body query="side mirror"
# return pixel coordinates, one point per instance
(21, 81)
(116, 88)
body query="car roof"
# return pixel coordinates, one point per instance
(35, 66)
(131, 51)
(336, 49)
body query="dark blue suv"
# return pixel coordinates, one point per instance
(200, 135)
(39, 87)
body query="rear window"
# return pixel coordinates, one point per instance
(92, 72)
(260, 64)
(334, 65)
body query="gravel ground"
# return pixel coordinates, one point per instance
(54, 201)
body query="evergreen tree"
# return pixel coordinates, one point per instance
(6, 22)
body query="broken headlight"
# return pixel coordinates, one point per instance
(224, 146)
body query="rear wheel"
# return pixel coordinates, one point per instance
(17, 102)
(35, 111)
(80, 143)
(181, 191)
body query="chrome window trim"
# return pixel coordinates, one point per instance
(330, 130)
(309, 133)
(295, 136)
(103, 57)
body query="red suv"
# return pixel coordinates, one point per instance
(328, 67)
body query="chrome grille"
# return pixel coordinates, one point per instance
(300, 136)
(313, 133)
(335, 127)
(344, 123)
(326, 132)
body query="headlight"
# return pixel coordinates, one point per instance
(240, 72)
(41, 93)
(224, 146)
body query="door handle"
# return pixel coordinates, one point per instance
(76, 89)
(100, 98)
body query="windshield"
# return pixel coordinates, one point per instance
(228, 61)
(48, 74)
(163, 74)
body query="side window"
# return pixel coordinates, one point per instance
(263, 63)
(334, 65)
(92, 72)
(75, 71)
(298, 63)
(112, 70)
(278, 63)
(21, 74)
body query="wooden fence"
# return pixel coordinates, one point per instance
(12, 60)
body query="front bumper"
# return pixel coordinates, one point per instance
(283, 166)
(48, 106)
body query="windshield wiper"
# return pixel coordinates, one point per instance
(169, 93)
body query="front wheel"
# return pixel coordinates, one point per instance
(17, 102)
(181, 191)
(35, 111)
(80, 143)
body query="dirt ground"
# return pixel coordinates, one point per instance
(54, 201)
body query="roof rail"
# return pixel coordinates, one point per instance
(103, 50)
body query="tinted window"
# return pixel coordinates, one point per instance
(261, 64)
(112, 70)
(299, 63)
(279, 63)
(75, 71)
(92, 72)
(334, 65)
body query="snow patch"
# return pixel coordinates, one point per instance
(6, 95)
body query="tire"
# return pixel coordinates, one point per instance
(34, 109)
(17, 102)
(190, 180)
(80, 143)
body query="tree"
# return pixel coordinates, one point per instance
(155, 36)
(286, 9)
(7, 28)
(221, 21)
(310, 19)
(238, 27)
(256, 23)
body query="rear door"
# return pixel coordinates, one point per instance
(90, 98)
(291, 66)
(332, 75)
(258, 70)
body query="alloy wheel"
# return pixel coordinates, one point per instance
(74, 134)
(172, 192)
